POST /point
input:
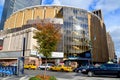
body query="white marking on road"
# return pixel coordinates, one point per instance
(24, 78)
(5, 78)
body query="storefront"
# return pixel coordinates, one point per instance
(81, 59)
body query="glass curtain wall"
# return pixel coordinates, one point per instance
(76, 34)
(19, 4)
(7, 11)
(11, 6)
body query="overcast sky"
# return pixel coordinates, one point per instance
(110, 9)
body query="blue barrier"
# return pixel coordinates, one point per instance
(8, 70)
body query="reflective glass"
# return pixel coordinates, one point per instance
(76, 33)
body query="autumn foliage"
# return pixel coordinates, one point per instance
(48, 37)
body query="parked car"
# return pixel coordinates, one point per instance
(26, 66)
(48, 65)
(83, 68)
(104, 69)
(61, 68)
(30, 66)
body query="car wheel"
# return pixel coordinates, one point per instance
(78, 71)
(62, 70)
(47, 68)
(118, 75)
(50, 69)
(90, 74)
(39, 68)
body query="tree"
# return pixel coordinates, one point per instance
(48, 37)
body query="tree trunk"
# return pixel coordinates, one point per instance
(45, 68)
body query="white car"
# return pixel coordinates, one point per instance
(48, 65)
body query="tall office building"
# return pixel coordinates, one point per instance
(7, 10)
(20, 4)
(11, 6)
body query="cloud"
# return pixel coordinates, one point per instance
(112, 21)
(77, 3)
(115, 35)
(108, 5)
(1, 2)
(56, 2)
(116, 38)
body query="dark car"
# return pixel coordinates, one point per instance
(83, 68)
(104, 69)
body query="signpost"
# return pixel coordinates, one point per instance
(20, 68)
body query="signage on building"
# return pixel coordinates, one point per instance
(53, 55)
(87, 55)
(57, 54)
(33, 52)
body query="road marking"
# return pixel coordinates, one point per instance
(24, 78)
(5, 78)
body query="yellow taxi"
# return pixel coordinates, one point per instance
(26, 66)
(61, 68)
(30, 66)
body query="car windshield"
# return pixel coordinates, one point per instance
(102, 66)
(49, 64)
(86, 66)
(83, 67)
(43, 65)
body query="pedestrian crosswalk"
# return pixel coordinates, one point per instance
(6, 78)
(24, 78)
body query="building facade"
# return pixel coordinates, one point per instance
(81, 29)
(111, 48)
(11, 6)
(21, 38)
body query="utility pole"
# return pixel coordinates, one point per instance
(24, 46)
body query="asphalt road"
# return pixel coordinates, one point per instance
(59, 75)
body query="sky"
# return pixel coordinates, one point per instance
(110, 10)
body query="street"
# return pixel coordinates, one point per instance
(59, 75)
